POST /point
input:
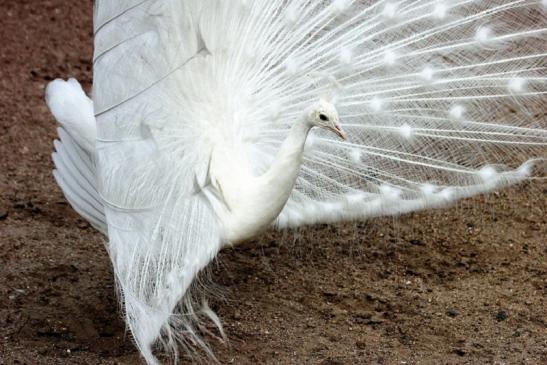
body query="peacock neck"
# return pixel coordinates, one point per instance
(274, 187)
(256, 203)
(286, 165)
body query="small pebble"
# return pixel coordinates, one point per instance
(460, 352)
(416, 242)
(19, 205)
(83, 225)
(501, 316)
(451, 312)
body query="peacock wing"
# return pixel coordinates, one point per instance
(161, 231)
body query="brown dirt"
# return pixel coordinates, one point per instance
(466, 285)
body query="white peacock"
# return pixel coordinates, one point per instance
(201, 129)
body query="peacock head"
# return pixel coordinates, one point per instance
(323, 114)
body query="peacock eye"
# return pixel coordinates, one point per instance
(323, 117)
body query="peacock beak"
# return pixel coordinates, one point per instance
(339, 131)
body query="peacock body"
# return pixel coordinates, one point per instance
(201, 129)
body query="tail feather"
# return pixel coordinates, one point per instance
(77, 157)
(75, 169)
(72, 175)
(74, 111)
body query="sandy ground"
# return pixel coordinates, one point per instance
(466, 285)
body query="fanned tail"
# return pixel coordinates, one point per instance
(441, 99)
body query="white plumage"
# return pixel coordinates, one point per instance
(200, 130)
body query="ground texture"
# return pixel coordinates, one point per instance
(466, 285)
